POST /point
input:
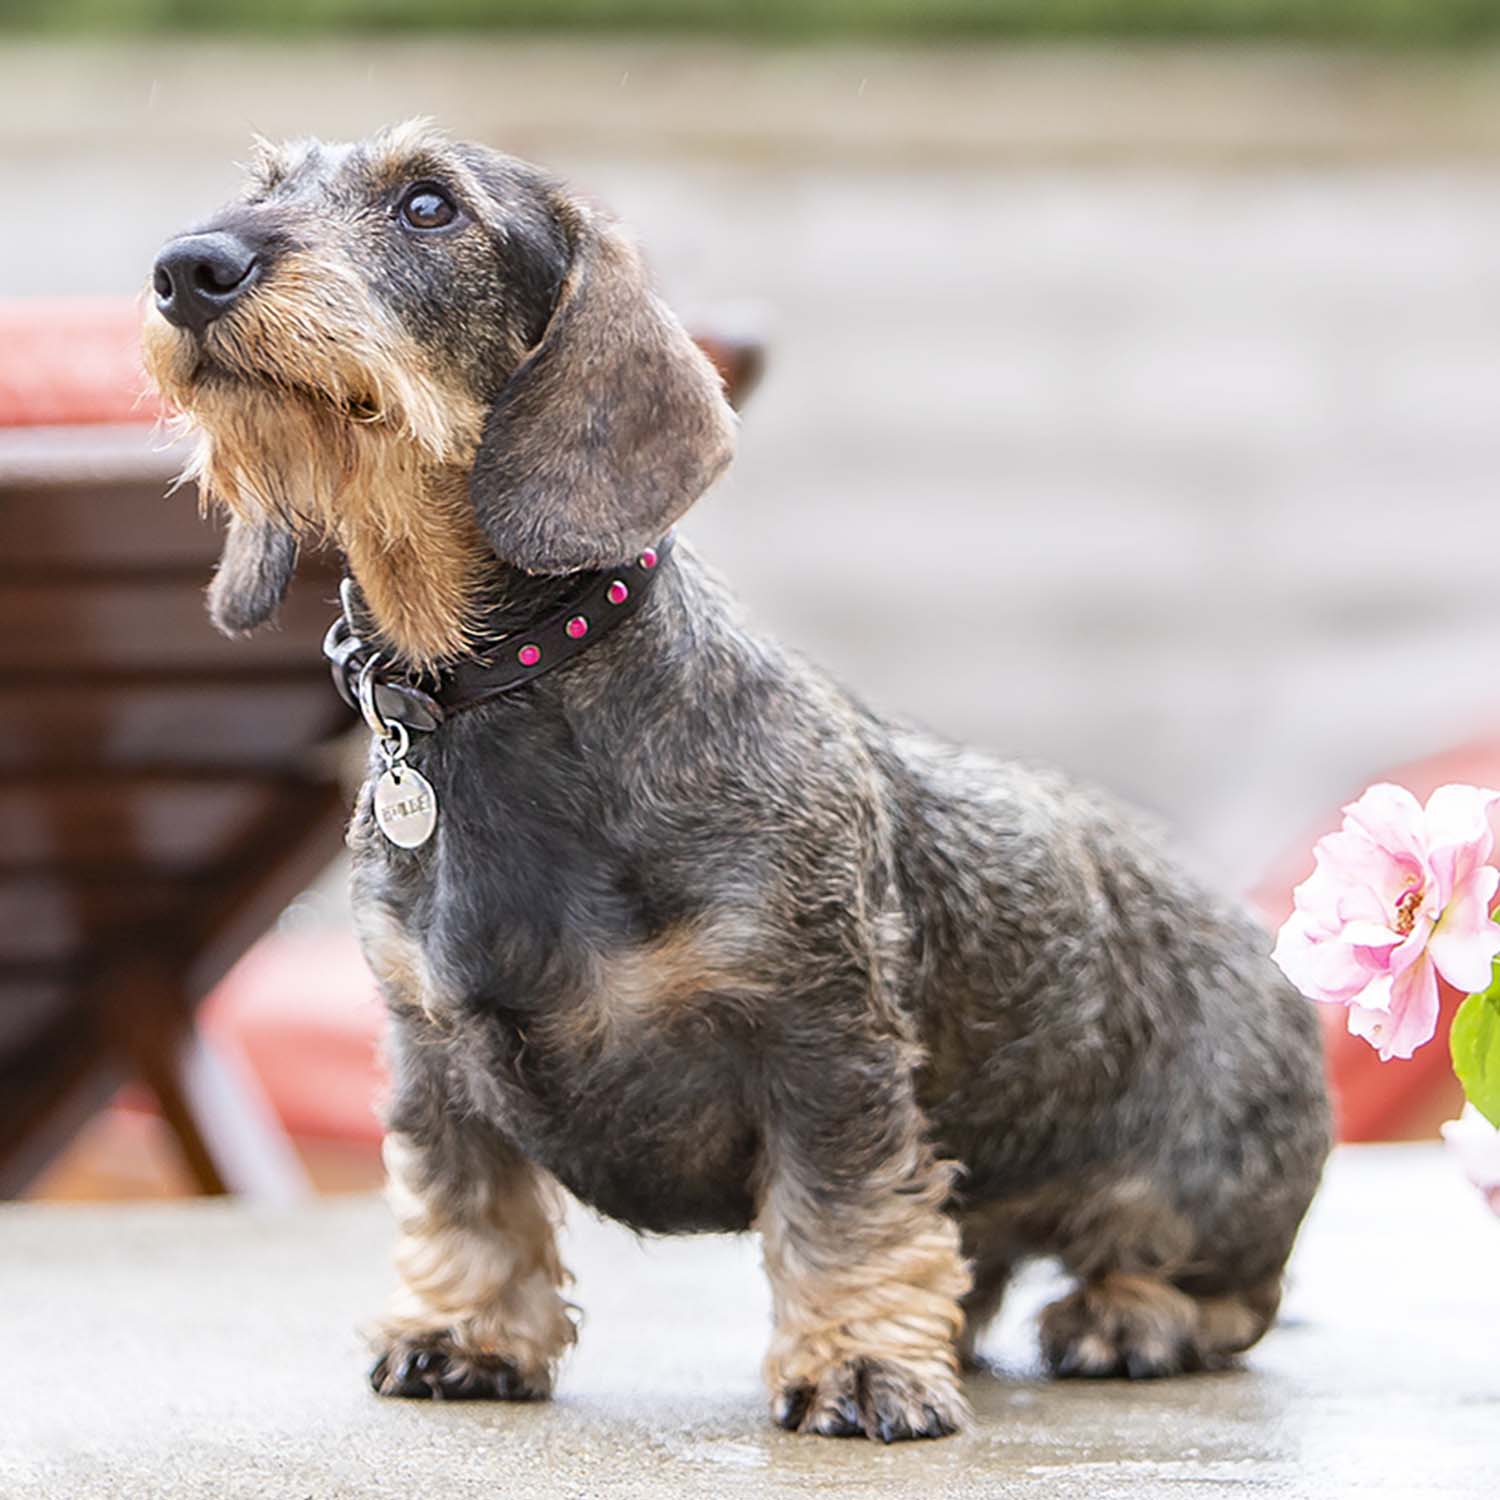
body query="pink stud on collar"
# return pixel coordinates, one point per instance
(529, 656)
(577, 627)
(618, 593)
(648, 558)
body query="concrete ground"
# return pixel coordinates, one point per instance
(208, 1352)
(1129, 409)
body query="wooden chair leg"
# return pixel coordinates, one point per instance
(225, 1128)
(162, 1065)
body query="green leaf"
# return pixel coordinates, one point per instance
(1475, 1040)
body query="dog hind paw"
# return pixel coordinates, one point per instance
(1135, 1326)
(872, 1398)
(436, 1369)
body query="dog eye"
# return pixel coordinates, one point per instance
(428, 208)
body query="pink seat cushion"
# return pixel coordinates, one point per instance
(72, 361)
(304, 1012)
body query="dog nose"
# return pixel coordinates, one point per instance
(201, 276)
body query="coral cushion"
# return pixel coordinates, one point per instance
(304, 1012)
(72, 361)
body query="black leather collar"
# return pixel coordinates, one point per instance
(385, 695)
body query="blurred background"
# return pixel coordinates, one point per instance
(1129, 405)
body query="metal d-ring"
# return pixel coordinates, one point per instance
(393, 749)
(391, 734)
(364, 689)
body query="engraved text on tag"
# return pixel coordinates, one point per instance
(405, 806)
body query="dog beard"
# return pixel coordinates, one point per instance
(307, 420)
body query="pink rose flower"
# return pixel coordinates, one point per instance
(1476, 1144)
(1400, 895)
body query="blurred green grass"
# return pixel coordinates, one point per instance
(1376, 22)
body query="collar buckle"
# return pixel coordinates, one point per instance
(355, 667)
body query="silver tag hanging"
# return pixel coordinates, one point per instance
(405, 803)
(405, 807)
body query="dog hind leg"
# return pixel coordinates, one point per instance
(865, 1265)
(993, 1266)
(1143, 1326)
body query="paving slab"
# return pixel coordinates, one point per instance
(208, 1351)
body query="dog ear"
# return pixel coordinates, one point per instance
(252, 577)
(611, 426)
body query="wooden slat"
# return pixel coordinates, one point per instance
(27, 1007)
(175, 827)
(48, 629)
(213, 723)
(59, 525)
(47, 917)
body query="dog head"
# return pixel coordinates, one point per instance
(435, 357)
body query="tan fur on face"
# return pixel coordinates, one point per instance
(415, 148)
(878, 1284)
(486, 1275)
(315, 411)
(318, 413)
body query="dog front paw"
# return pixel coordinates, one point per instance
(873, 1398)
(433, 1367)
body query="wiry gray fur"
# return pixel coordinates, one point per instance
(711, 944)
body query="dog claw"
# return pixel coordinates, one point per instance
(791, 1406)
(441, 1373)
(936, 1424)
(840, 1420)
(873, 1399)
(900, 1428)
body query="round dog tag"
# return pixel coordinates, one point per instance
(405, 806)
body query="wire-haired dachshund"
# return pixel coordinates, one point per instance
(662, 914)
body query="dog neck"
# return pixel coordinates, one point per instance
(533, 625)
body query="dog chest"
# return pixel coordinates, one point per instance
(653, 1129)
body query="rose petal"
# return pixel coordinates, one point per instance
(1352, 869)
(1465, 942)
(1458, 834)
(1414, 1010)
(1398, 1020)
(1316, 902)
(1412, 946)
(1369, 935)
(1322, 968)
(1476, 1144)
(1392, 818)
(1370, 1020)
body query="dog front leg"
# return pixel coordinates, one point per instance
(480, 1311)
(864, 1264)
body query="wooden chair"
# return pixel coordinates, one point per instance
(164, 792)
